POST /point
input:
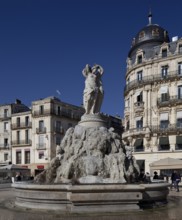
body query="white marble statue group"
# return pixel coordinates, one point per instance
(91, 153)
(93, 93)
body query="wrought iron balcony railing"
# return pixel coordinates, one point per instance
(21, 125)
(171, 128)
(41, 146)
(151, 79)
(169, 100)
(4, 147)
(41, 130)
(58, 130)
(5, 116)
(21, 142)
(63, 113)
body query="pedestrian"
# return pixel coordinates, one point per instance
(147, 178)
(173, 179)
(177, 180)
(156, 177)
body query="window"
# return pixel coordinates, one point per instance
(139, 98)
(139, 59)
(41, 109)
(178, 143)
(164, 93)
(179, 119)
(18, 122)
(5, 113)
(41, 126)
(5, 142)
(5, 156)
(180, 48)
(41, 154)
(164, 53)
(58, 140)
(27, 121)
(18, 137)
(180, 92)
(138, 145)
(26, 137)
(164, 97)
(139, 123)
(141, 35)
(6, 126)
(27, 157)
(41, 141)
(164, 71)
(139, 75)
(164, 143)
(58, 126)
(164, 121)
(127, 125)
(18, 157)
(180, 68)
(59, 110)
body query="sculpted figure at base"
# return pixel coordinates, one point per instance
(93, 92)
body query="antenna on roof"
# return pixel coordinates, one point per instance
(150, 16)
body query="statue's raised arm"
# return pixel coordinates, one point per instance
(93, 92)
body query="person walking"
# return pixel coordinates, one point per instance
(177, 180)
(173, 180)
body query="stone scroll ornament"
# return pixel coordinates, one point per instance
(93, 93)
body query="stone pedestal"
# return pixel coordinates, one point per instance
(92, 121)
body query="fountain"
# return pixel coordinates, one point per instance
(92, 171)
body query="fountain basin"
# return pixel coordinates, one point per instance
(89, 198)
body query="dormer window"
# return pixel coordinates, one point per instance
(141, 35)
(180, 48)
(164, 53)
(139, 59)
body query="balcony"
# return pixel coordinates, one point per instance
(63, 113)
(21, 125)
(169, 101)
(41, 130)
(59, 130)
(139, 106)
(45, 112)
(21, 142)
(4, 147)
(170, 129)
(5, 116)
(41, 146)
(173, 75)
(134, 132)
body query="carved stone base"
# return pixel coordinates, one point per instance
(92, 121)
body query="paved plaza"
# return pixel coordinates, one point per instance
(171, 211)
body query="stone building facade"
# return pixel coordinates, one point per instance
(153, 96)
(29, 136)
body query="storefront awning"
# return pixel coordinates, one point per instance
(164, 141)
(166, 164)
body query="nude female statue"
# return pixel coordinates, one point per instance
(93, 92)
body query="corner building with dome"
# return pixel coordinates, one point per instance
(153, 100)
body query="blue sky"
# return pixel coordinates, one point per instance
(44, 45)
